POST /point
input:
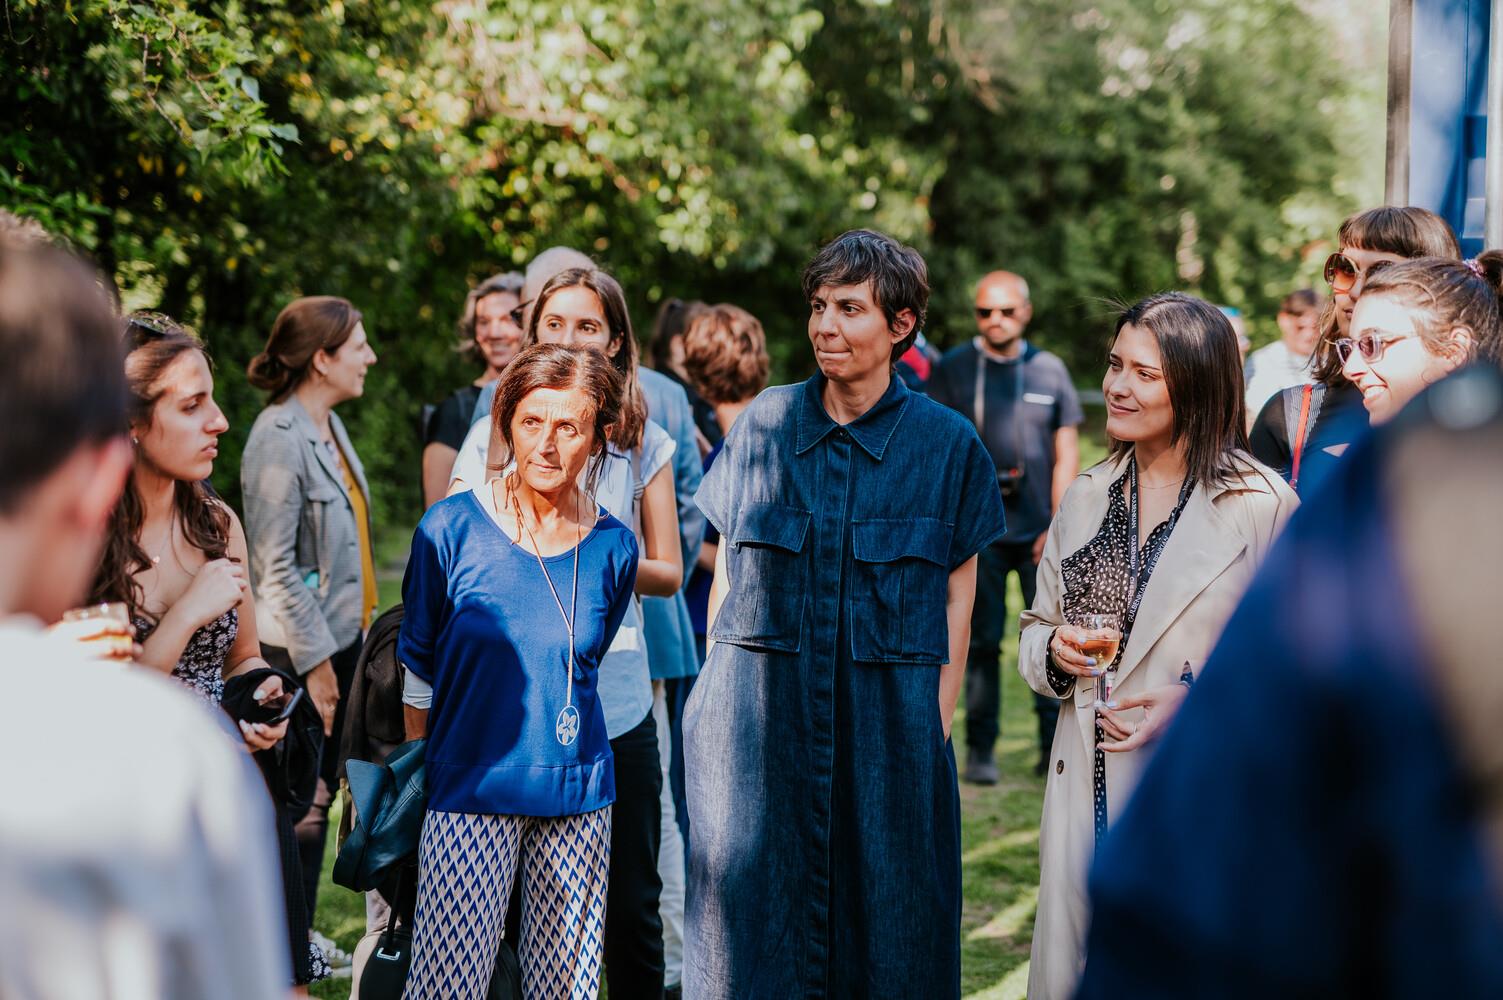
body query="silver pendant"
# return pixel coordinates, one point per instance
(567, 726)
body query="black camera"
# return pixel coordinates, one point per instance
(1009, 481)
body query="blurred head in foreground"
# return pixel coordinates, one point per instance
(63, 452)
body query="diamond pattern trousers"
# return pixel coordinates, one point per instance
(466, 864)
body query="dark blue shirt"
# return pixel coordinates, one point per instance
(481, 626)
(825, 859)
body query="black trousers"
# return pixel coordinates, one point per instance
(633, 929)
(313, 828)
(983, 680)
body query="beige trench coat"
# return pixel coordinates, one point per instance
(1208, 561)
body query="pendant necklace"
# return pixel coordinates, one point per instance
(566, 727)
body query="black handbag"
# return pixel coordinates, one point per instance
(385, 973)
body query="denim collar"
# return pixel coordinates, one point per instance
(872, 430)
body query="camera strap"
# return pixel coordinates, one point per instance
(978, 404)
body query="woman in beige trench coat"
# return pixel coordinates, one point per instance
(1206, 515)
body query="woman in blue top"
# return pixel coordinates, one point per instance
(513, 592)
(825, 860)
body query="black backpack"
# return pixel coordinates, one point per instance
(373, 724)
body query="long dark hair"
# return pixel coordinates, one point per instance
(154, 342)
(1203, 373)
(303, 328)
(554, 366)
(627, 432)
(1397, 229)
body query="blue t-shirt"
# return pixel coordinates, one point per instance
(482, 628)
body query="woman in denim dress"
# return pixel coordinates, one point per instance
(821, 783)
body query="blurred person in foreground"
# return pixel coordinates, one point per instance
(490, 331)
(1325, 817)
(1026, 411)
(136, 851)
(825, 856)
(1303, 430)
(1163, 536)
(1286, 361)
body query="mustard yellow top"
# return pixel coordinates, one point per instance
(361, 504)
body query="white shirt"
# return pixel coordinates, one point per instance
(1270, 369)
(137, 847)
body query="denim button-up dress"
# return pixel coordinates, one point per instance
(822, 791)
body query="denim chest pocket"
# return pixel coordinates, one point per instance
(901, 580)
(769, 570)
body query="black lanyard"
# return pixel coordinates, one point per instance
(1138, 575)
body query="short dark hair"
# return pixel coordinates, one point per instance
(554, 366)
(62, 360)
(1397, 229)
(725, 354)
(497, 284)
(1203, 372)
(303, 328)
(1300, 301)
(898, 276)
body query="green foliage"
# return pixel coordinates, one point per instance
(219, 158)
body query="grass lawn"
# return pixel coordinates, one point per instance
(999, 844)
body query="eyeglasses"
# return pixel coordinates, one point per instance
(1342, 272)
(1007, 312)
(1370, 345)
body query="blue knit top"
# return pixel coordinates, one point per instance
(482, 628)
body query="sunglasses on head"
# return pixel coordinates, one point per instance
(1342, 272)
(1007, 311)
(142, 330)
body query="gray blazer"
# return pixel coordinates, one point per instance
(300, 527)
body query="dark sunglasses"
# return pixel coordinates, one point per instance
(1342, 272)
(1007, 312)
(1370, 346)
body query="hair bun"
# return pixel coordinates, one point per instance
(266, 371)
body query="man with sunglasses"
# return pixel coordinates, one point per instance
(1026, 410)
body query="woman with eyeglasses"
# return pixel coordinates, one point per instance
(175, 557)
(1302, 431)
(1417, 322)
